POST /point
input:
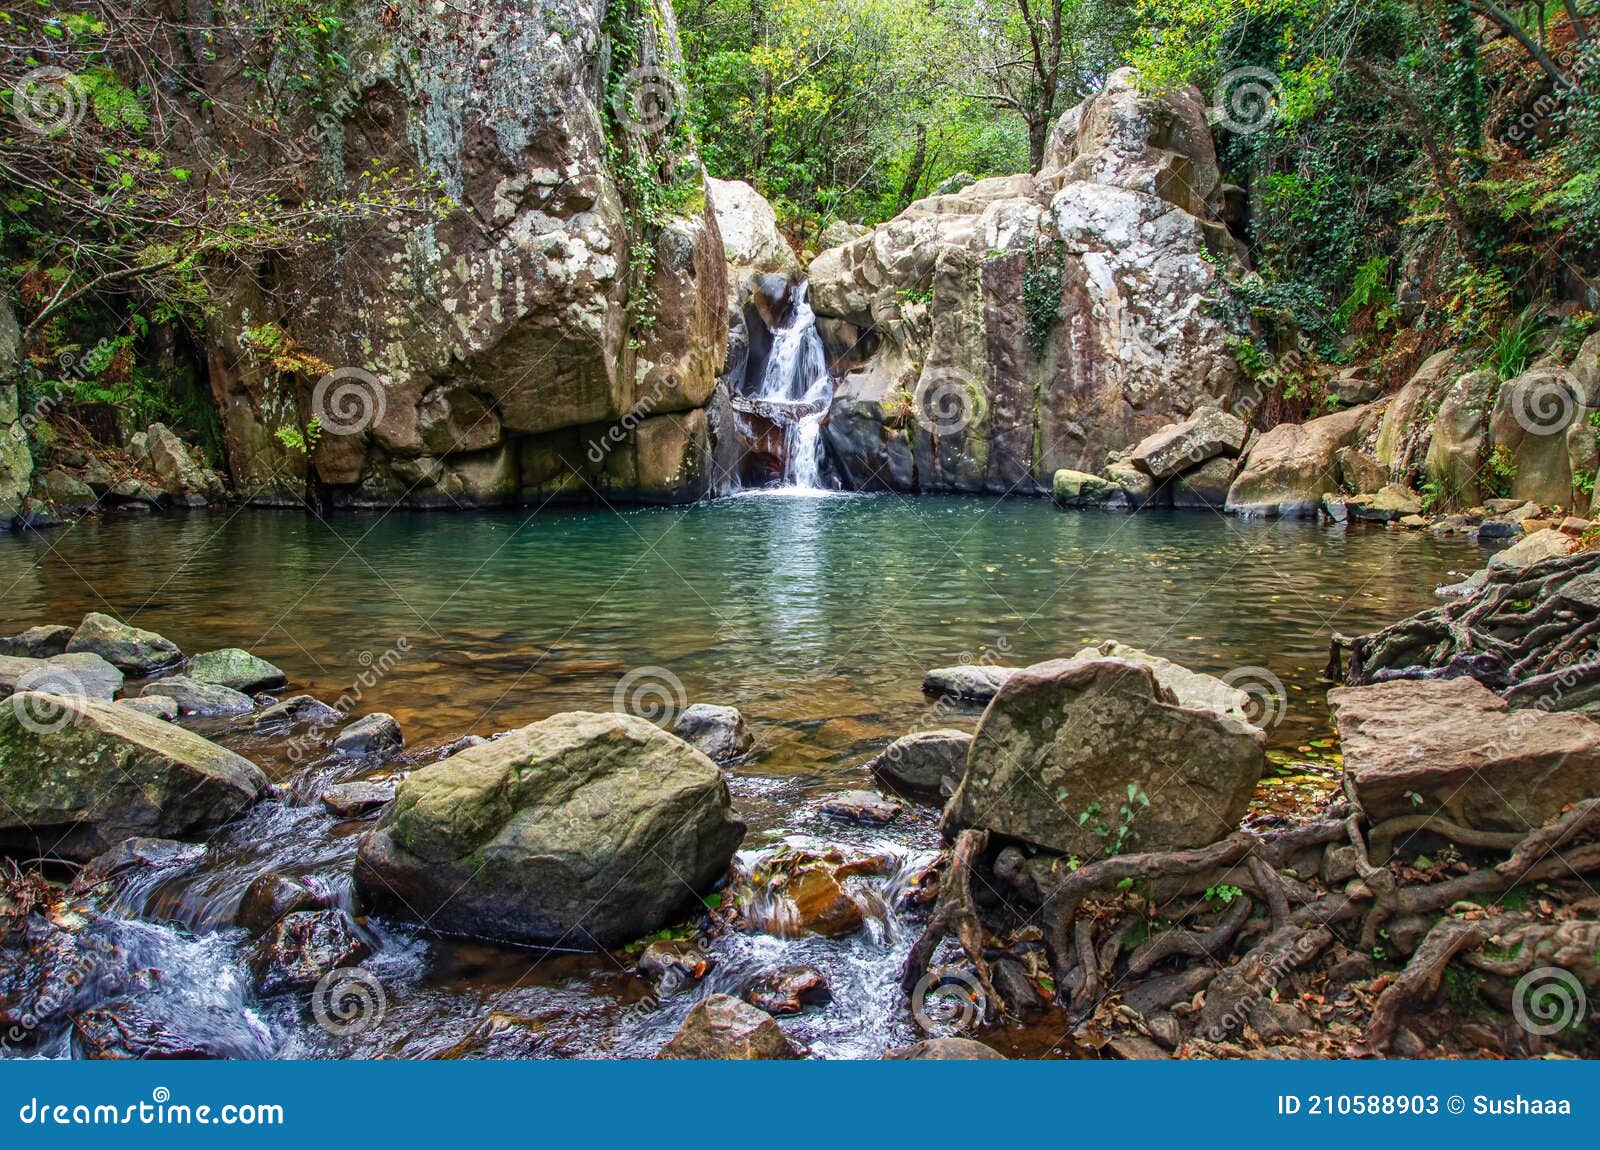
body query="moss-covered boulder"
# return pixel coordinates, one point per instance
(586, 830)
(128, 648)
(237, 669)
(78, 776)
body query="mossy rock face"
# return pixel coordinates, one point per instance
(235, 668)
(77, 777)
(127, 648)
(584, 830)
(1095, 757)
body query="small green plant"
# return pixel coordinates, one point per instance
(303, 441)
(1583, 483)
(1223, 894)
(1500, 473)
(1433, 495)
(1461, 987)
(1416, 799)
(1369, 292)
(1515, 344)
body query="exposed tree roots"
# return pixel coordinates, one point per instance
(1277, 901)
(1529, 634)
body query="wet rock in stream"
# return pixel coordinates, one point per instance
(295, 709)
(271, 897)
(583, 829)
(925, 762)
(237, 669)
(675, 964)
(130, 649)
(77, 788)
(302, 947)
(126, 1029)
(861, 807)
(202, 699)
(787, 990)
(723, 1027)
(359, 799)
(945, 1050)
(37, 642)
(372, 734)
(719, 732)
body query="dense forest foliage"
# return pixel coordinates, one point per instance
(1416, 171)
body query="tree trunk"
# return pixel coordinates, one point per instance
(919, 162)
(1038, 136)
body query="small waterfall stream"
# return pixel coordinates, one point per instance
(795, 390)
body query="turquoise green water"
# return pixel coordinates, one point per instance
(816, 616)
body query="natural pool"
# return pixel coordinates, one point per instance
(815, 615)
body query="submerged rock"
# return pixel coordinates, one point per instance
(353, 800)
(587, 829)
(1080, 489)
(1455, 747)
(373, 734)
(719, 732)
(787, 990)
(972, 683)
(127, 1029)
(302, 947)
(296, 709)
(862, 807)
(108, 773)
(722, 1027)
(203, 699)
(272, 896)
(37, 642)
(1096, 757)
(138, 854)
(235, 668)
(926, 762)
(129, 649)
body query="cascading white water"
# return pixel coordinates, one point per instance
(796, 374)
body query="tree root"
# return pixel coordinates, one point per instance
(956, 916)
(1419, 982)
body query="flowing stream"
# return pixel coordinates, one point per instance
(817, 617)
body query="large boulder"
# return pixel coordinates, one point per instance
(1095, 757)
(128, 648)
(751, 241)
(1406, 427)
(1454, 748)
(925, 762)
(1541, 424)
(79, 776)
(507, 345)
(1459, 446)
(583, 830)
(37, 642)
(991, 336)
(197, 698)
(1189, 688)
(1183, 446)
(1290, 468)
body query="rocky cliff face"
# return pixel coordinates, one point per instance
(491, 352)
(987, 338)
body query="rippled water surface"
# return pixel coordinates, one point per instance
(817, 616)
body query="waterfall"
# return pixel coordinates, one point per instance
(796, 389)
